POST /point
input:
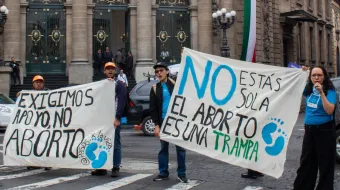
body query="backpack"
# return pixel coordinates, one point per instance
(170, 79)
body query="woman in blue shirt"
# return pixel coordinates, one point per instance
(318, 148)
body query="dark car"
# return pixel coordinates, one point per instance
(336, 82)
(139, 112)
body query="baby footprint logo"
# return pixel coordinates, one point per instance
(275, 148)
(95, 144)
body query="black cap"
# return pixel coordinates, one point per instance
(161, 64)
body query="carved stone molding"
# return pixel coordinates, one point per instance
(266, 28)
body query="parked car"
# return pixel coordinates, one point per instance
(139, 112)
(336, 82)
(6, 109)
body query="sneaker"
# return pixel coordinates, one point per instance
(48, 168)
(183, 179)
(99, 172)
(160, 178)
(115, 172)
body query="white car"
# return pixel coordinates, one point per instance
(6, 109)
(174, 69)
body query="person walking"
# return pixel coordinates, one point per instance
(122, 77)
(109, 71)
(319, 144)
(15, 71)
(160, 95)
(129, 64)
(98, 62)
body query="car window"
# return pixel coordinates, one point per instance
(144, 90)
(5, 100)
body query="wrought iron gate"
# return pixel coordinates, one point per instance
(46, 43)
(102, 20)
(173, 29)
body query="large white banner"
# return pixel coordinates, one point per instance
(237, 112)
(65, 128)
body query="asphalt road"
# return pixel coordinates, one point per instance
(140, 166)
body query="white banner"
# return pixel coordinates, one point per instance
(65, 128)
(237, 112)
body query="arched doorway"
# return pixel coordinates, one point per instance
(45, 37)
(110, 29)
(172, 30)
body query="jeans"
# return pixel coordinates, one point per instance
(163, 160)
(318, 156)
(117, 152)
(16, 77)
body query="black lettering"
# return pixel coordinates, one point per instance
(58, 118)
(265, 103)
(42, 106)
(242, 77)
(67, 120)
(201, 112)
(225, 121)
(268, 82)
(28, 139)
(79, 101)
(181, 111)
(52, 103)
(176, 127)
(16, 118)
(45, 122)
(252, 77)
(278, 83)
(213, 125)
(36, 144)
(252, 99)
(68, 131)
(240, 122)
(16, 138)
(72, 143)
(60, 95)
(54, 140)
(168, 124)
(186, 138)
(261, 79)
(89, 97)
(33, 101)
(22, 100)
(38, 118)
(29, 117)
(175, 105)
(24, 114)
(244, 98)
(204, 137)
(252, 104)
(255, 128)
(71, 96)
(208, 120)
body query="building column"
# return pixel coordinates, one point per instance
(154, 25)
(205, 26)
(23, 34)
(133, 32)
(90, 32)
(194, 27)
(68, 7)
(12, 31)
(144, 39)
(80, 70)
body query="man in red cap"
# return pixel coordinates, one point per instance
(109, 71)
(38, 83)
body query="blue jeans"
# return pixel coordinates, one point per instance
(163, 160)
(117, 152)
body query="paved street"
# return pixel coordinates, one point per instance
(140, 166)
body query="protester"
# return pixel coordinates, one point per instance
(15, 71)
(109, 71)
(122, 77)
(38, 84)
(160, 95)
(319, 145)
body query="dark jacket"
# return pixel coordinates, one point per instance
(121, 99)
(107, 56)
(14, 66)
(129, 61)
(98, 58)
(156, 101)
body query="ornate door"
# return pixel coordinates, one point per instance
(173, 29)
(46, 43)
(102, 20)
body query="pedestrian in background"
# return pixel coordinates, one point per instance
(122, 77)
(319, 144)
(160, 95)
(15, 71)
(129, 64)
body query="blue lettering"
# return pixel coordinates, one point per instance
(190, 66)
(232, 88)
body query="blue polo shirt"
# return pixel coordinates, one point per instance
(166, 99)
(315, 113)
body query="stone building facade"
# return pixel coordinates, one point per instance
(62, 36)
(336, 33)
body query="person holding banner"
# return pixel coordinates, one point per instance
(38, 83)
(109, 71)
(319, 144)
(160, 96)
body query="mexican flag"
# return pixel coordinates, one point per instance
(249, 31)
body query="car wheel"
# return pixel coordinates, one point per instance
(148, 126)
(338, 146)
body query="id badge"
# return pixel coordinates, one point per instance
(313, 101)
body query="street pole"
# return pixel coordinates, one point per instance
(223, 21)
